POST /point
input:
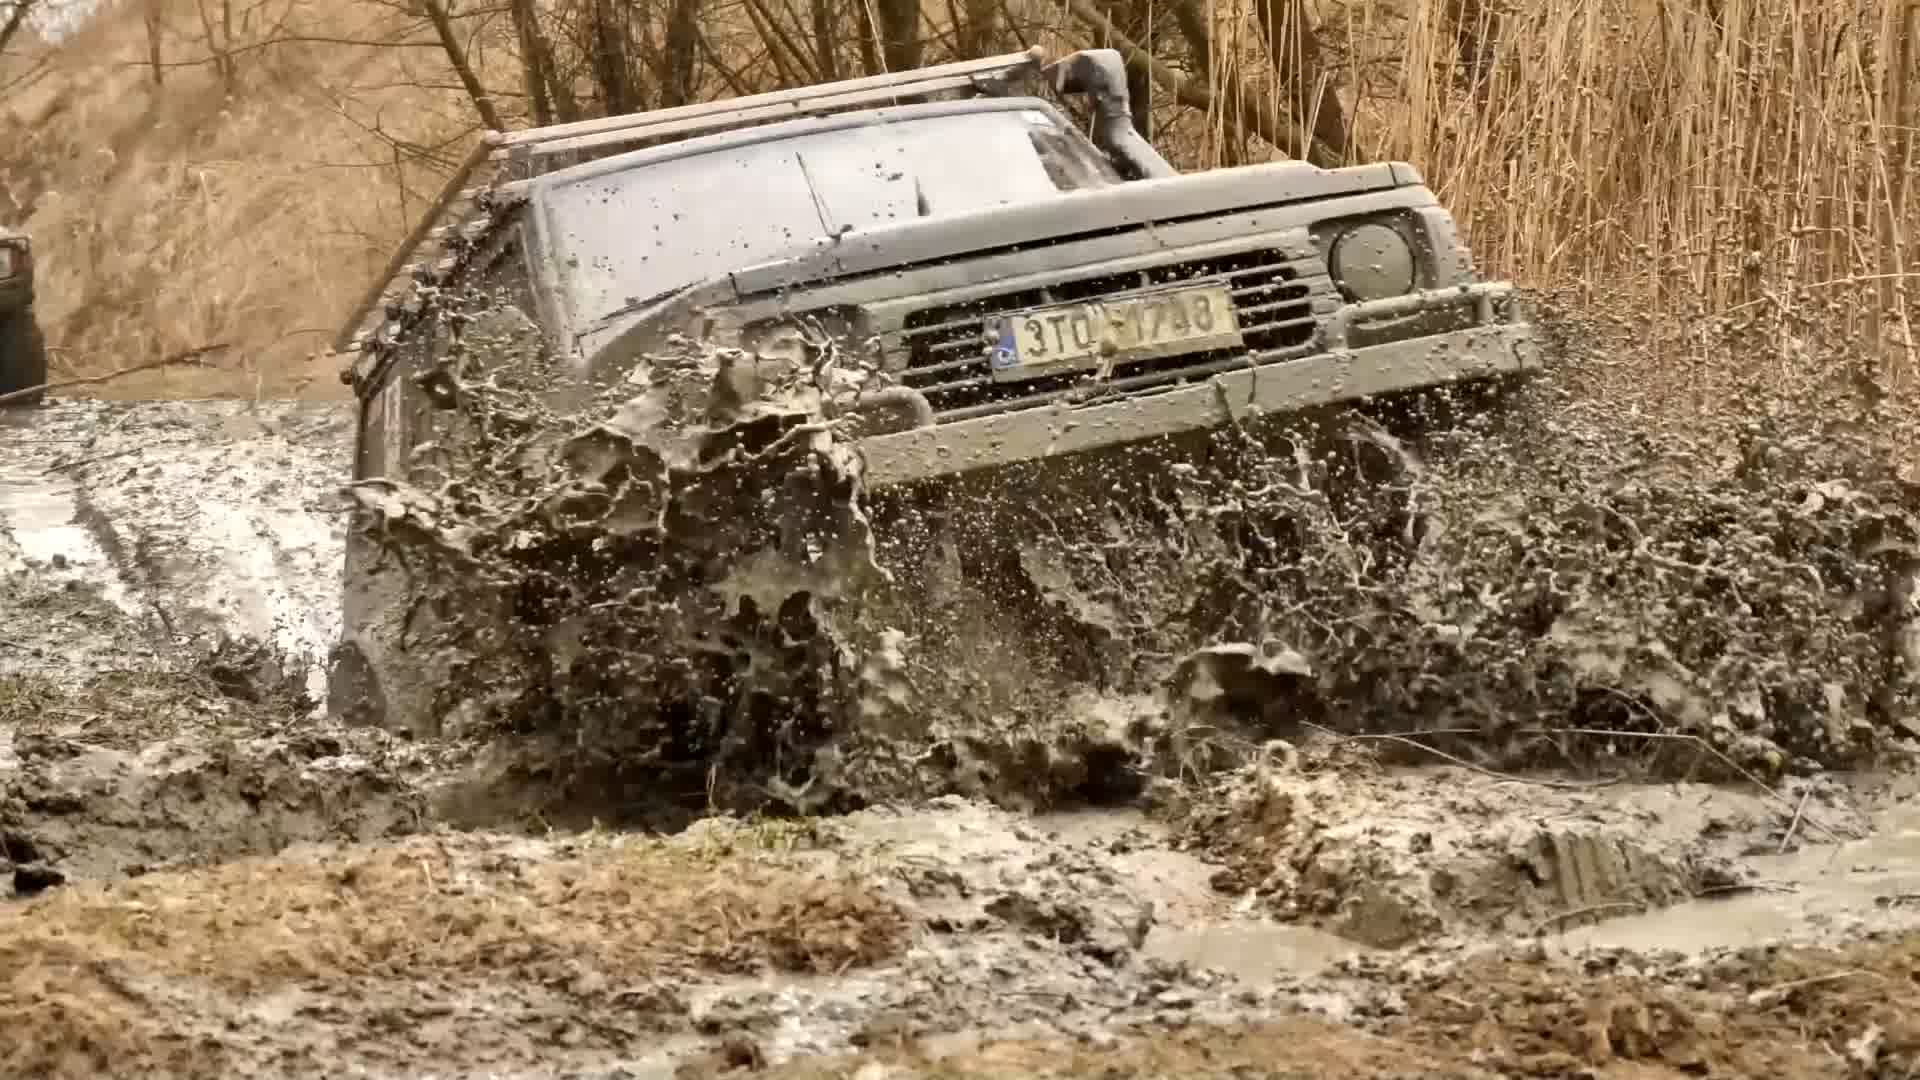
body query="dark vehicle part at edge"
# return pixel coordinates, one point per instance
(23, 351)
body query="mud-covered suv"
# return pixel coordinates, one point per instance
(1030, 291)
(23, 352)
(1010, 290)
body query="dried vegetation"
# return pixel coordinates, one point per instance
(98, 977)
(1814, 1013)
(1708, 166)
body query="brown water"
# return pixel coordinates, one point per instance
(1195, 924)
(1251, 951)
(1818, 891)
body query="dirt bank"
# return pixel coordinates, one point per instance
(1797, 1012)
(955, 936)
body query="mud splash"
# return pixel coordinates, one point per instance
(1569, 588)
(634, 586)
(678, 584)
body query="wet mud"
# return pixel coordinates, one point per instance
(685, 581)
(1795, 1012)
(1532, 739)
(138, 771)
(950, 935)
(157, 534)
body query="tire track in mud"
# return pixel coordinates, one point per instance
(135, 568)
(65, 603)
(148, 720)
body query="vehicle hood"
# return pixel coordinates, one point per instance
(1130, 205)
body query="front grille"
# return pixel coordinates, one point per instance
(947, 347)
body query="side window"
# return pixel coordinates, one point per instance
(403, 415)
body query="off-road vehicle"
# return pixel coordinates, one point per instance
(23, 352)
(1025, 291)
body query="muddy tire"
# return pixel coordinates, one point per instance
(23, 357)
(383, 673)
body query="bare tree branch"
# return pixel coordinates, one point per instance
(534, 62)
(15, 20)
(825, 39)
(457, 56)
(184, 357)
(787, 56)
(153, 17)
(682, 53)
(617, 92)
(900, 42)
(1293, 49)
(290, 39)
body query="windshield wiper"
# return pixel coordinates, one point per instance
(645, 302)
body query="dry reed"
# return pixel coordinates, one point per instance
(1697, 167)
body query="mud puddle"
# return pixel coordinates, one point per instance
(1830, 892)
(64, 607)
(40, 533)
(1251, 952)
(198, 522)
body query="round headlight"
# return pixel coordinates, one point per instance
(1372, 262)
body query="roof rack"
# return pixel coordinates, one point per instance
(687, 120)
(986, 75)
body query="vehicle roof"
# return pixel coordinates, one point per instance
(786, 129)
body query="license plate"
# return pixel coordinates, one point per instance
(1075, 337)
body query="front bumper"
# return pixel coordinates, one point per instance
(1497, 341)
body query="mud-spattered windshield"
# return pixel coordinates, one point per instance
(621, 239)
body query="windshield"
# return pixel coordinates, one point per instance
(624, 239)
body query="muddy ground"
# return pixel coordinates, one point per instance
(210, 878)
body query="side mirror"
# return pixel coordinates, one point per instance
(1101, 76)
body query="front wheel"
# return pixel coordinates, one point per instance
(23, 357)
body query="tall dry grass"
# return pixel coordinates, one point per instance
(1708, 170)
(193, 213)
(1693, 166)
(1752, 160)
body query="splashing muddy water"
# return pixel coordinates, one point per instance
(687, 579)
(1237, 640)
